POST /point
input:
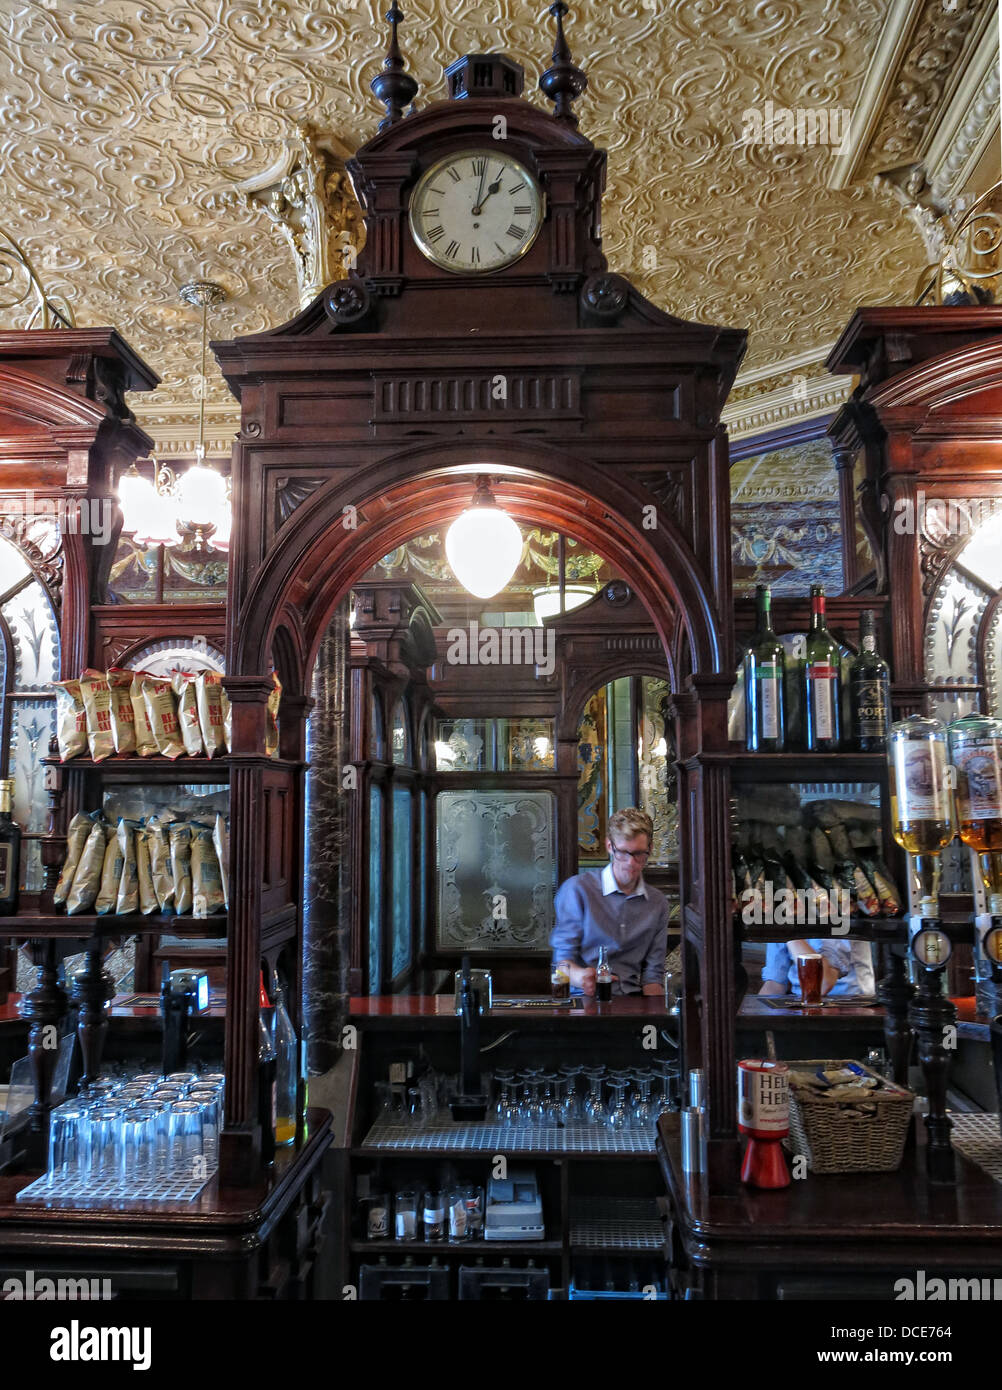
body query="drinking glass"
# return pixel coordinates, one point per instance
(810, 971)
(533, 1112)
(185, 1079)
(135, 1150)
(594, 1107)
(66, 1140)
(474, 1199)
(510, 1110)
(550, 1105)
(643, 1111)
(619, 1115)
(433, 1216)
(570, 1101)
(503, 1078)
(185, 1131)
(414, 1114)
(209, 1102)
(405, 1215)
(102, 1131)
(157, 1115)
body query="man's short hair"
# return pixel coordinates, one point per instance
(629, 822)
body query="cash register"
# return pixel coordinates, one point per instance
(514, 1207)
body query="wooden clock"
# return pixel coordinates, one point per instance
(476, 211)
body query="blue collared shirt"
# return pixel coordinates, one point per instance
(593, 911)
(852, 959)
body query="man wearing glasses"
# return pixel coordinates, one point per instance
(613, 907)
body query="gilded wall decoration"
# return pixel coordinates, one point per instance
(124, 125)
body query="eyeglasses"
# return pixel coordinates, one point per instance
(639, 856)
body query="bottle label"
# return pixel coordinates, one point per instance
(769, 699)
(4, 870)
(979, 780)
(920, 779)
(871, 709)
(869, 643)
(821, 682)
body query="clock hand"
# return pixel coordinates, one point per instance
(480, 189)
(493, 188)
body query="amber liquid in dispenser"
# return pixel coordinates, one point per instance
(920, 798)
(976, 748)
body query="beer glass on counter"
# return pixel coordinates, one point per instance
(810, 972)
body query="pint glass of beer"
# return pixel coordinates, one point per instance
(810, 970)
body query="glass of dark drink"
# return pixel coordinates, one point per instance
(810, 971)
(603, 990)
(603, 976)
(560, 985)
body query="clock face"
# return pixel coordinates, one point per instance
(476, 211)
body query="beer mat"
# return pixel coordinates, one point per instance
(844, 1001)
(534, 1003)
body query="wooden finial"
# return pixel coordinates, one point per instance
(563, 82)
(394, 86)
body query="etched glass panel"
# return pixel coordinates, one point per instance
(951, 631)
(402, 906)
(658, 788)
(496, 870)
(13, 566)
(526, 745)
(33, 723)
(375, 886)
(400, 739)
(461, 745)
(36, 638)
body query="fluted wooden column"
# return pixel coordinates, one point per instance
(240, 1141)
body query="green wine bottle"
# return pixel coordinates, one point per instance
(764, 722)
(822, 676)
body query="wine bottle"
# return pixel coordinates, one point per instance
(266, 1080)
(286, 1069)
(822, 679)
(869, 690)
(10, 849)
(764, 722)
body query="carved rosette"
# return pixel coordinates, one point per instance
(604, 297)
(347, 302)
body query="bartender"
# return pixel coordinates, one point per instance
(613, 907)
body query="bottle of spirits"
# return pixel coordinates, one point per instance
(10, 849)
(286, 1069)
(764, 722)
(266, 1079)
(921, 803)
(869, 690)
(822, 668)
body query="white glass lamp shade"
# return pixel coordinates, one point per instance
(146, 513)
(546, 601)
(201, 496)
(483, 546)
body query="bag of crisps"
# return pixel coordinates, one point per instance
(123, 716)
(128, 884)
(87, 879)
(71, 720)
(76, 837)
(158, 842)
(206, 881)
(111, 876)
(147, 897)
(95, 691)
(185, 687)
(180, 858)
(146, 744)
(209, 695)
(221, 842)
(161, 706)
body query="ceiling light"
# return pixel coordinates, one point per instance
(483, 545)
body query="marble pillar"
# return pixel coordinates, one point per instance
(325, 924)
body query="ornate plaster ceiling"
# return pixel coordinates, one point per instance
(124, 123)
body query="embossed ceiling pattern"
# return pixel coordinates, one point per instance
(121, 124)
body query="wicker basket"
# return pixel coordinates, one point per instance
(835, 1138)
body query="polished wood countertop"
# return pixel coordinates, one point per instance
(439, 1011)
(120, 1010)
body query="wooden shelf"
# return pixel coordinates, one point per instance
(860, 929)
(129, 768)
(461, 1248)
(798, 767)
(87, 924)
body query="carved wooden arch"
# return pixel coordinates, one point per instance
(944, 381)
(315, 559)
(33, 400)
(583, 687)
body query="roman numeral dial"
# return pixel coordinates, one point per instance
(475, 212)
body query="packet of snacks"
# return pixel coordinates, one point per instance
(206, 881)
(146, 744)
(147, 897)
(111, 876)
(161, 706)
(185, 686)
(87, 879)
(71, 720)
(180, 858)
(76, 837)
(128, 884)
(271, 726)
(123, 716)
(95, 691)
(158, 843)
(221, 841)
(210, 695)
